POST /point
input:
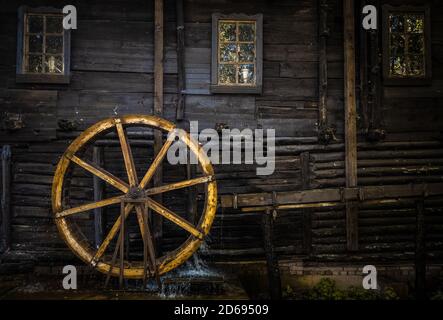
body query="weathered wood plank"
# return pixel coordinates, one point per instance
(6, 198)
(350, 122)
(158, 109)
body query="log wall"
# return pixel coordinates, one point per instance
(112, 67)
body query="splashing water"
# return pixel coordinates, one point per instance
(178, 282)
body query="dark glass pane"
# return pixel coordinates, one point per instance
(228, 52)
(54, 64)
(246, 32)
(54, 24)
(416, 44)
(227, 31)
(54, 44)
(35, 64)
(246, 74)
(226, 74)
(398, 66)
(397, 45)
(246, 53)
(397, 23)
(35, 24)
(415, 23)
(35, 43)
(417, 66)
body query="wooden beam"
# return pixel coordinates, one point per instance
(307, 213)
(271, 258)
(375, 132)
(420, 253)
(352, 225)
(192, 194)
(364, 67)
(350, 122)
(158, 109)
(339, 195)
(323, 34)
(181, 86)
(99, 188)
(349, 94)
(6, 199)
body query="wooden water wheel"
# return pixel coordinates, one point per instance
(134, 188)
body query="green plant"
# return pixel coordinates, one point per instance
(326, 289)
(437, 295)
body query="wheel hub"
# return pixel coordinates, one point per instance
(135, 193)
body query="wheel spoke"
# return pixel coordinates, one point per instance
(168, 214)
(127, 153)
(115, 228)
(89, 206)
(178, 185)
(101, 173)
(158, 159)
(140, 220)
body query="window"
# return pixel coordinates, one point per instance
(406, 45)
(43, 46)
(236, 54)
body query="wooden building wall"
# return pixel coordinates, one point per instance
(112, 74)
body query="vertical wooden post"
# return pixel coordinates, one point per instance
(158, 107)
(6, 199)
(323, 34)
(307, 213)
(181, 86)
(191, 194)
(350, 122)
(271, 259)
(420, 253)
(364, 65)
(122, 244)
(97, 157)
(375, 92)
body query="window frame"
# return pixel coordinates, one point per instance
(408, 81)
(21, 75)
(215, 87)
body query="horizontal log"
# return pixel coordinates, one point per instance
(331, 195)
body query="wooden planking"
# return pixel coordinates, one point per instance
(181, 84)
(5, 200)
(350, 122)
(113, 74)
(158, 108)
(36, 108)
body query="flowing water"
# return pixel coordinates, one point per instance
(193, 275)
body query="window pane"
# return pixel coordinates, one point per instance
(35, 64)
(417, 66)
(54, 44)
(228, 52)
(54, 24)
(226, 74)
(415, 23)
(398, 66)
(35, 43)
(227, 31)
(397, 44)
(396, 23)
(35, 24)
(246, 53)
(416, 44)
(246, 32)
(54, 64)
(246, 74)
